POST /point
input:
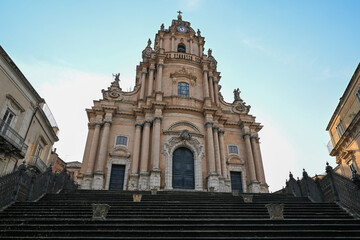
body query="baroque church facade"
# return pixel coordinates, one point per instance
(174, 130)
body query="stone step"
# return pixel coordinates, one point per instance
(183, 233)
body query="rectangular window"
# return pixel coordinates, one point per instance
(233, 149)
(340, 129)
(352, 167)
(357, 94)
(121, 141)
(183, 89)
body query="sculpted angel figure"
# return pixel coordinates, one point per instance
(237, 94)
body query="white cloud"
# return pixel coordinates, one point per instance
(68, 92)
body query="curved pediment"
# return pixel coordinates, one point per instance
(120, 151)
(235, 160)
(179, 127)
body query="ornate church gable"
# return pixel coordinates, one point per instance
(178, 127)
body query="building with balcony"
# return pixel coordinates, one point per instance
(344, 128)
(174, 130)
(25, 129)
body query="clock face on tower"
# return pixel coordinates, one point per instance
(182, 29)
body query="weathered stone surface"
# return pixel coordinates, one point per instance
(247, 198)
(137, 197)
(100, 211)
(276, 211)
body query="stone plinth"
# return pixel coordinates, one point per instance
(213, 181)
(155, 178)
(133, 182)
(144, 181)
(98, 181)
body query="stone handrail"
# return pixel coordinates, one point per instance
(25, 185)
(185, 56)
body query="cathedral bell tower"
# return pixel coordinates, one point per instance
(174, 130)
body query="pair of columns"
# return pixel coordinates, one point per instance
(215, 149)
(142, 140)
(256, 169)
(99, 163)
(150, 81)
(211, 87)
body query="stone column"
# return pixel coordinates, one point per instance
(191, 45)
(212, 178)
(159, 77)
(134, 176)
(161, 42)
(93, 149)
(258, 160)
(206, 84)
(217, 150)
(216, 90)
(173, 43)
(144, 162)
(211, 87)
(250, 159)
(151, 80)
(142, 90)
(98, 181)
(155, 171)
(222, 154)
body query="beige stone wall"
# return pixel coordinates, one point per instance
(346, 146)
(18, 96)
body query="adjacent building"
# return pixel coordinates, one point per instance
(25, 130)
(174, 130)
(344, 128)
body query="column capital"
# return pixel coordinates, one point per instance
(158, 118)
(209, 123)
(107, 122)
(151, 69)
(143, 72)
(216, 128)
(205, 71)
(216, 81)
(160, 64)
(211, 76)
(138, 125)
(221, 132)
(245, 135)
(98, 124)
(147, 121)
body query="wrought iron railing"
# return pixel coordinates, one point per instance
(38, 163)
(10, 135)
(25, 185)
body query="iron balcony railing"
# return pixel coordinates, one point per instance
(38, 163)
(11, 136)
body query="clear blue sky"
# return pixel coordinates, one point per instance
(292, 61)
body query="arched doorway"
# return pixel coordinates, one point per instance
(183, 169)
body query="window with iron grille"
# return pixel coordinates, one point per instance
(183, 89)
(121, 140)
(233, 149)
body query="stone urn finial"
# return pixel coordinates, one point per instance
(100, 211)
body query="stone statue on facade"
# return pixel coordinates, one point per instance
(162, 27)
(237, 95)
(114, 91)
(198, 33)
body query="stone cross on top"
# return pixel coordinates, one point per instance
(179, 16)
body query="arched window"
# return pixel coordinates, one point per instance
(183, 89)
(181, 48)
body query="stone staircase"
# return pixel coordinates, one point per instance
(174, 215)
